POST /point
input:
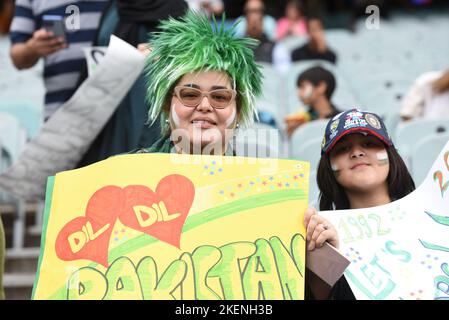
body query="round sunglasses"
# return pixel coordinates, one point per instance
(192, 97)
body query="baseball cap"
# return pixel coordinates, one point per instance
(351, 121)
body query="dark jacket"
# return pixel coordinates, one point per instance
(305, 53)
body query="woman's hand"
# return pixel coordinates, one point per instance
(319, 230)
(144, 48)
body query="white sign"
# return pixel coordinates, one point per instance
(66, 136)
(94, 57)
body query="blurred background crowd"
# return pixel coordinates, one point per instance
(318, 58)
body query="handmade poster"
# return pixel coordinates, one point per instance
(66, 136)
(400, 250)
(94, 57)
(164, 226)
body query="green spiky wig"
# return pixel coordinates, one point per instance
(192, 44)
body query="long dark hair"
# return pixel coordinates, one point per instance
(333, 195)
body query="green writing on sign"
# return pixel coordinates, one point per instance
(265, 269)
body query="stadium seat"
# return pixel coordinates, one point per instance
(423, 155)
(271, 91)
(293, 42)
(309, 131)
(259, 141)
(410, 133)
(12, 141)
(12, 135)
(309, 151)
(29, 115)
(314, 191)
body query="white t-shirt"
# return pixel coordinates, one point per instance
(422, 101)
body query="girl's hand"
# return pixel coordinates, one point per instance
(319, 230)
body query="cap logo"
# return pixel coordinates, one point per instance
(373, 121)
(354, 119)
(333, 129)
(334, 125)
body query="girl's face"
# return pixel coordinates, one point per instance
(205, 123)
(360, 162)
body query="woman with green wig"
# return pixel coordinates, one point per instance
(202, 85)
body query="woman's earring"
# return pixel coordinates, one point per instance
(237, 126)
(167, 121)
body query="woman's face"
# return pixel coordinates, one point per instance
(203, 124)
(292, 12)
(360, 162)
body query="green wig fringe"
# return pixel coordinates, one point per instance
(194, 44)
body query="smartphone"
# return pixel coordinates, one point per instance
(55, 24)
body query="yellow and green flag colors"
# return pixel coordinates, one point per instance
(162, 226)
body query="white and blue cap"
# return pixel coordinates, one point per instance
(352, 121)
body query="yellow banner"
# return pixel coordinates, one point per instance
(163, 226)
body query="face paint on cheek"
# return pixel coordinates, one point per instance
(175, 117)
(231, 118)
(307, 92)
(335, 170)
(382, 158)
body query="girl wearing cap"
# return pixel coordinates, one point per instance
(359, 168)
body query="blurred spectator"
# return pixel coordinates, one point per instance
(6, 12)
(62, 60)
(293, 24)
(257, 8)
(428, 97)
(267, 51)
(209, 7)
(315, 87)
(316, 48)
(127, 129)
(254, 29)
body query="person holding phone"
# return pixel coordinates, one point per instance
(39, 30)
(41, 44)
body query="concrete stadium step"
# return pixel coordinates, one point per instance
(23, 261)
(20, 272)
(18, 286)
(6, 208)
(8, 216)
(31, 240)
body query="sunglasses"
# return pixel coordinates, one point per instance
(192, 97)
(254, 10)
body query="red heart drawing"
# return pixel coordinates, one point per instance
(160, 214)
(88, 237)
